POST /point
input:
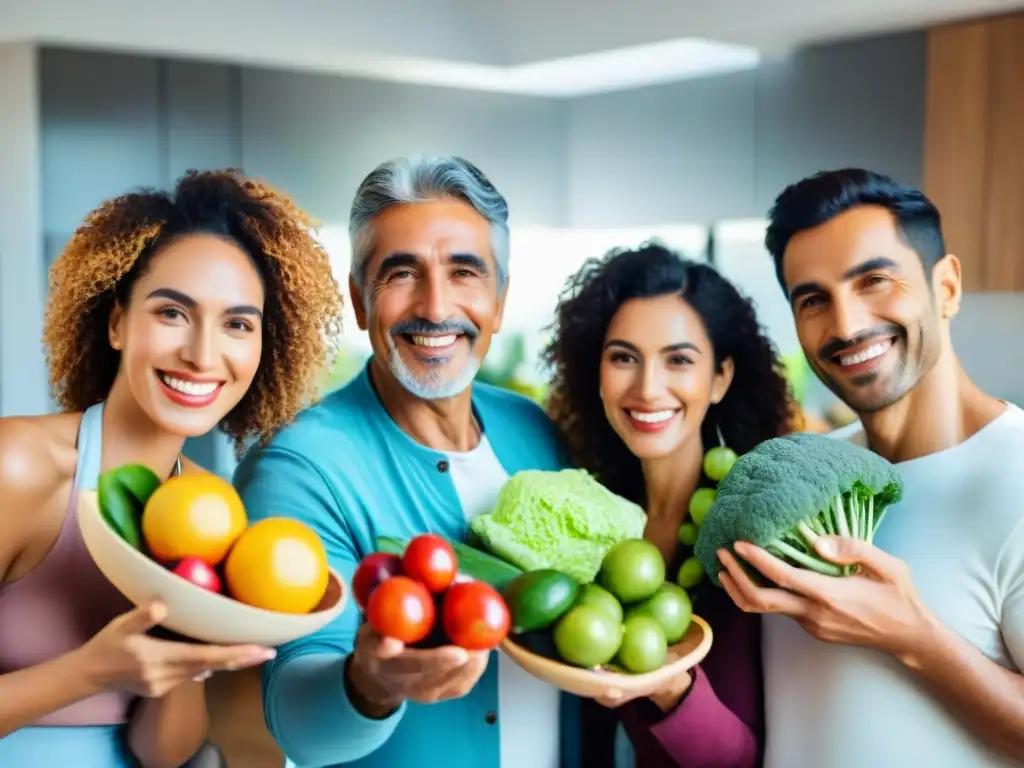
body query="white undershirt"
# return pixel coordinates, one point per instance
(960, 528)
(528, 709)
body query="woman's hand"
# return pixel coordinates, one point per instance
(122, 657)
(665, 698)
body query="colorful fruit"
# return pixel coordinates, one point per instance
(472, 562)
(193, 516)
(643, 646)
(196, 571)
(401, 608)
(690, 573)
(632, 570)
(475, 616)
(278, 564)
(371, 572)
(718, 461)
(587, 636)
(599, 597)
(430, 560)
(700, 503)
(671, 607)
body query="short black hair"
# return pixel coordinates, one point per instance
(823, 196)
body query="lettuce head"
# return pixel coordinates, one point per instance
(558, 519)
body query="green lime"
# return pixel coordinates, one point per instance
(690, 573)
(599, 597)
(688, 534)
(632, 570)
(671, 607)
(587, 636)
(718, 461)
(643, 645)
(700, 503)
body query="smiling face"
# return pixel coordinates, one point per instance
(658, 375)
(868, 316)
(191, 336)
(431, 301)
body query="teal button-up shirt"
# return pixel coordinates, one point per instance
(347, 470)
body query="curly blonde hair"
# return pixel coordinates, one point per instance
(112, 248)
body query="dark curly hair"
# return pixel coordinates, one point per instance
(756, 407)
(115, 244)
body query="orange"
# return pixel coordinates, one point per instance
(193, 516)
(278, 564)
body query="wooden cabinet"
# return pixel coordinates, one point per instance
(974, 146)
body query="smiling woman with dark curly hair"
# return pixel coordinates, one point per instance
(657, 360)
(169, 314)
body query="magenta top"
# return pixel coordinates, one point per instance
(65, 600)
(718, 724)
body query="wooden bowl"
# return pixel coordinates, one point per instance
(591, 683)
(192, 611)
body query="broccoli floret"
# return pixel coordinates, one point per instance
(787, 491)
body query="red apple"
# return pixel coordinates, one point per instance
(195, 570)
(373, 570)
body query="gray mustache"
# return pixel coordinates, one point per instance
(425, 327)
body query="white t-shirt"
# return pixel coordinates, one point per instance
(960, 528)
(528, 709)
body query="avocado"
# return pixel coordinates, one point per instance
(537, 599)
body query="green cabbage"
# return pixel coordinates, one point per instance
(564, 520)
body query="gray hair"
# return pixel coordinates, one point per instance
(419, 179)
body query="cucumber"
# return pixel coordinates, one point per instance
(474, 563)
(537, 599)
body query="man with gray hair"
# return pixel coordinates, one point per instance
(411, 445)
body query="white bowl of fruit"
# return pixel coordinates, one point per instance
(188, 543)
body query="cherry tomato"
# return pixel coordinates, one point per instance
(197, 571)
(372, 571)
(401, 608)
(475, 616)
(430, 560)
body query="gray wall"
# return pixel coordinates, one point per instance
(723, 147)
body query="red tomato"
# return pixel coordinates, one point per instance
(401, 608)
(475, 616)
(196, 570)
(372, 571)
(431, 561)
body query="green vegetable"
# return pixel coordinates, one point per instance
(632, 570)
(671, 607)
(122, 494)
(587, 636)
(599, 597)
(537, 599)
(564, 520)
(688, 534)
(789, 490)
(644, 646)
(690, 573)
(473, 562)
(700, 503)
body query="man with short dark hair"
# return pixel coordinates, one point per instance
(922, 651)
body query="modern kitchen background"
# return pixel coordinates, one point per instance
(89, 110)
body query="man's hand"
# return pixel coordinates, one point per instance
(878, 606)
(666, 698)
(384, 673)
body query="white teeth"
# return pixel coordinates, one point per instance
(434, 341)
(865, 354)
(655, 417)
(194, 388)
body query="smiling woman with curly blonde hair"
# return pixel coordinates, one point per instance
(169, 314)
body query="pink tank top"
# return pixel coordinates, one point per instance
(65, 600)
